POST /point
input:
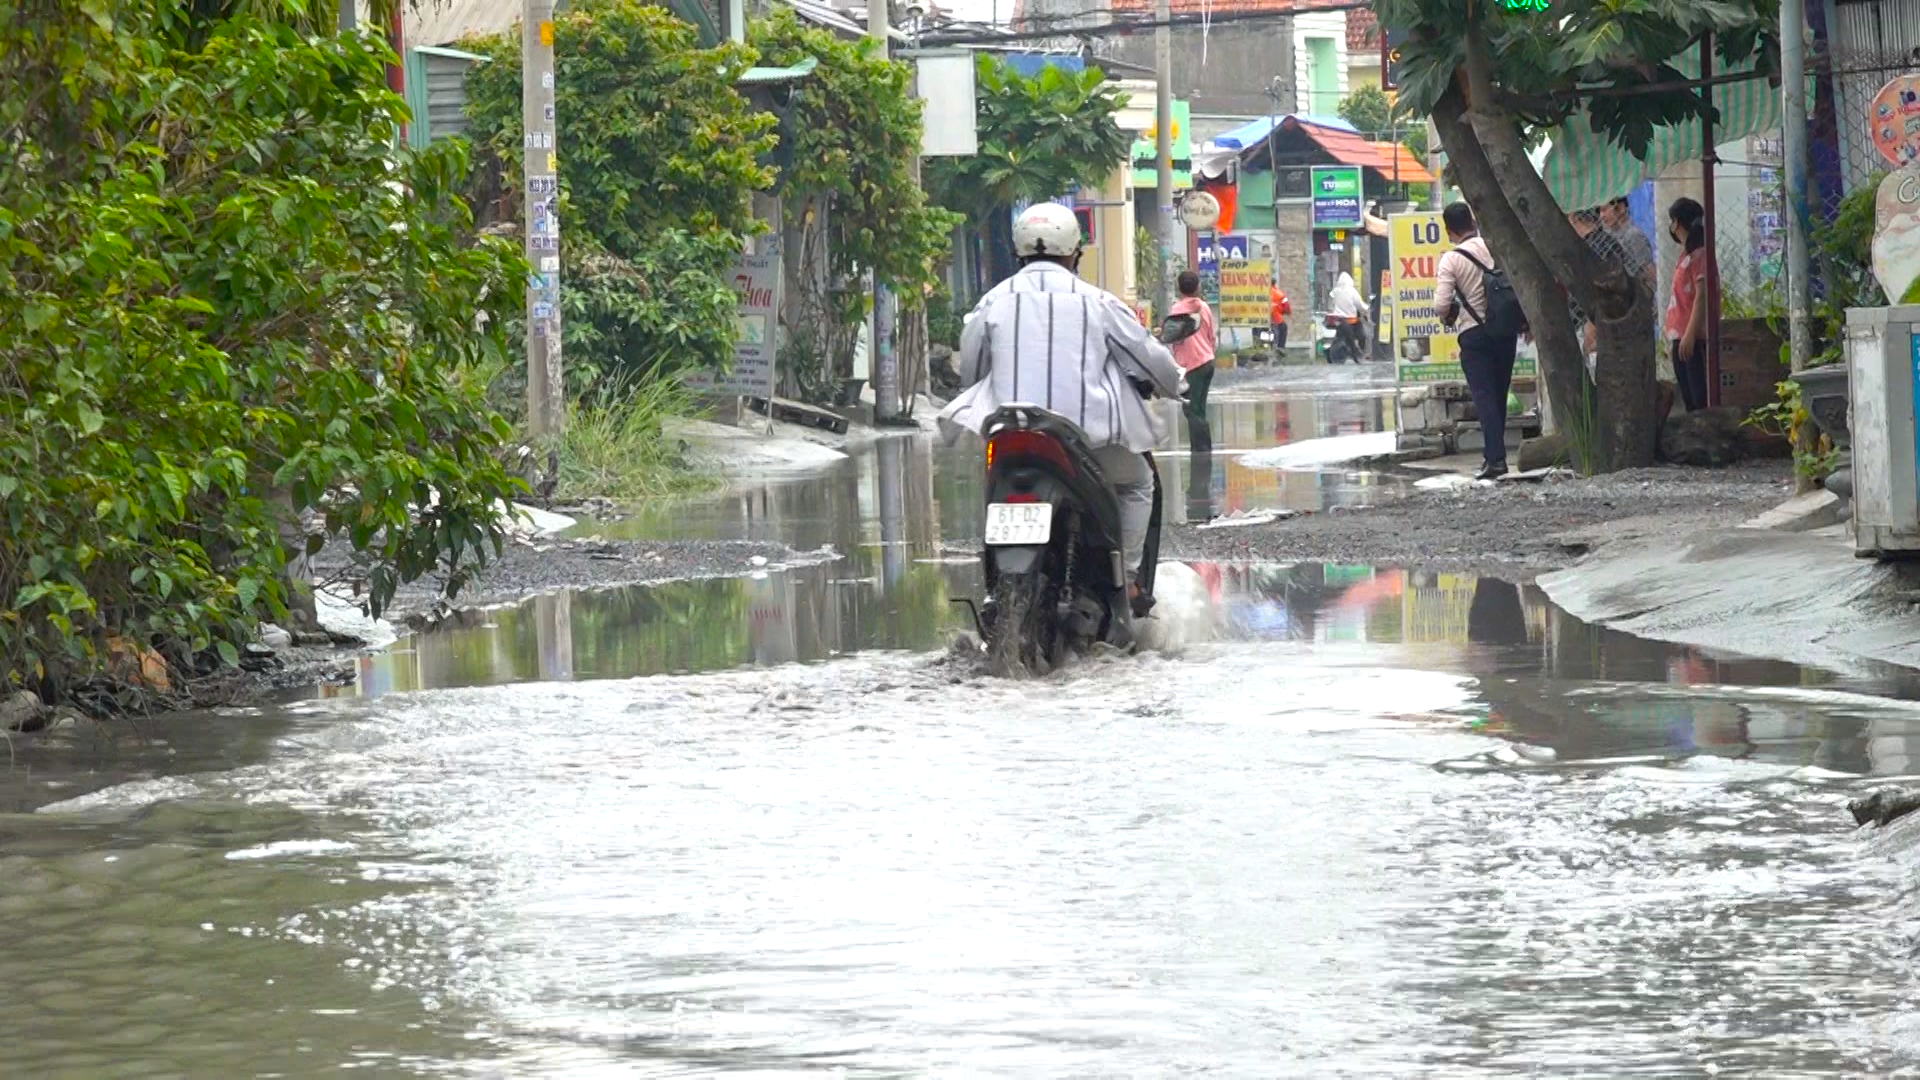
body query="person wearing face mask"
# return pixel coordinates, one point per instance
(1687, 308)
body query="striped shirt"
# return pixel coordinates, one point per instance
(1044, 337)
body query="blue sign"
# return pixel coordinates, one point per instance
(1215, 248)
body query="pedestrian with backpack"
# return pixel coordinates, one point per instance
(1475, 299)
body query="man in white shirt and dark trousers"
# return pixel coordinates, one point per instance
(1047, 338)
(1486, 357)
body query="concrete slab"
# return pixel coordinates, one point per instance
(1803, 513)
(1798, 597)
(739, 452)
(1315, 453)
(1464, 464)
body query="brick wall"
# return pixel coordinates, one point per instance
(1292, 244)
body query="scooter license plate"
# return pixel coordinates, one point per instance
(1019, 524)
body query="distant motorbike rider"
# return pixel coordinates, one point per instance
(1349, 309)
(1045, 337)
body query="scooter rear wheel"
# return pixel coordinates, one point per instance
(1022, 640)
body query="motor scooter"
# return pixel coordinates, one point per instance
(1053, 556)
(1055, 571)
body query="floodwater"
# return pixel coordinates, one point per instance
(1355, 821)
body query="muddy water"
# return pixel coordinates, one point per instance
(1363, 823)
(1354, 821)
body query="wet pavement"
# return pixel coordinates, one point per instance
(1359, 821)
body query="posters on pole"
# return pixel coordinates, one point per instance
(1336, 197)
(1245, 286)
(756, 284)
(1213, 248)
(1426, 351)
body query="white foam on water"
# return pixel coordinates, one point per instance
(1183, 612)
(281, 849)
(133, 795)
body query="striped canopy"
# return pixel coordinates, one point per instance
(1585, 170)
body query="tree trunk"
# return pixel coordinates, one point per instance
(1625, 397)
(1621, 310)
(296, 580)
(1561, 367)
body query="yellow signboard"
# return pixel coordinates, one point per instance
(1427, 352)
(1245, 292)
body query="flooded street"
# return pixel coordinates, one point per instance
(1361, 821)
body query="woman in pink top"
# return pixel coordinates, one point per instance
(1686, 325)
(1194, 353)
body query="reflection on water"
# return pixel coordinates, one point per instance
(1291, 850)
(1261, 422)
(1261, 859)
(1544, 676)
(910, 493)
(1217, 484)
(882, 597)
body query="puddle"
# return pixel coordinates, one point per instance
(918, 491)
(1364, 822)
(1545, 677)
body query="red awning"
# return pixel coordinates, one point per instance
(1348, 148)
(1411, 170)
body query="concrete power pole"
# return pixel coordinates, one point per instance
(1163, 151)
(885, 351)
(546, 392)
(1793, 123)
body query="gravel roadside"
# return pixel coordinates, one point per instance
(1513, 530)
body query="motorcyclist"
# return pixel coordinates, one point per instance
(1349, 308)
(1045, 337)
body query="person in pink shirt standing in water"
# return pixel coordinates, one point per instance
(1194, 334)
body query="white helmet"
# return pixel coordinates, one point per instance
(1047, 229)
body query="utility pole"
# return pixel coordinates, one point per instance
(1163, 150)
(1793, 124)
(546, 392)
(885, 352)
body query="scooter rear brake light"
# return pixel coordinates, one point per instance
(1029, 444)
(1020, 497)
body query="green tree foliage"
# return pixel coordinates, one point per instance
(1492, 77)
(224, 297)
(852, 137)
(1371, 113)
(659, 162)
(1040, 138)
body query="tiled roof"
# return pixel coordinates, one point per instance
(1343, 146)
(1411, 169)
(1363, 31)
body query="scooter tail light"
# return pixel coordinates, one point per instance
(1032, 444)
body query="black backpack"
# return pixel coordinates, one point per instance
(1505, 317)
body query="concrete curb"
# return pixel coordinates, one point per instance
(1803, 513)
(1800, 597)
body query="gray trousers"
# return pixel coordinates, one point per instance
(1132, 481)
